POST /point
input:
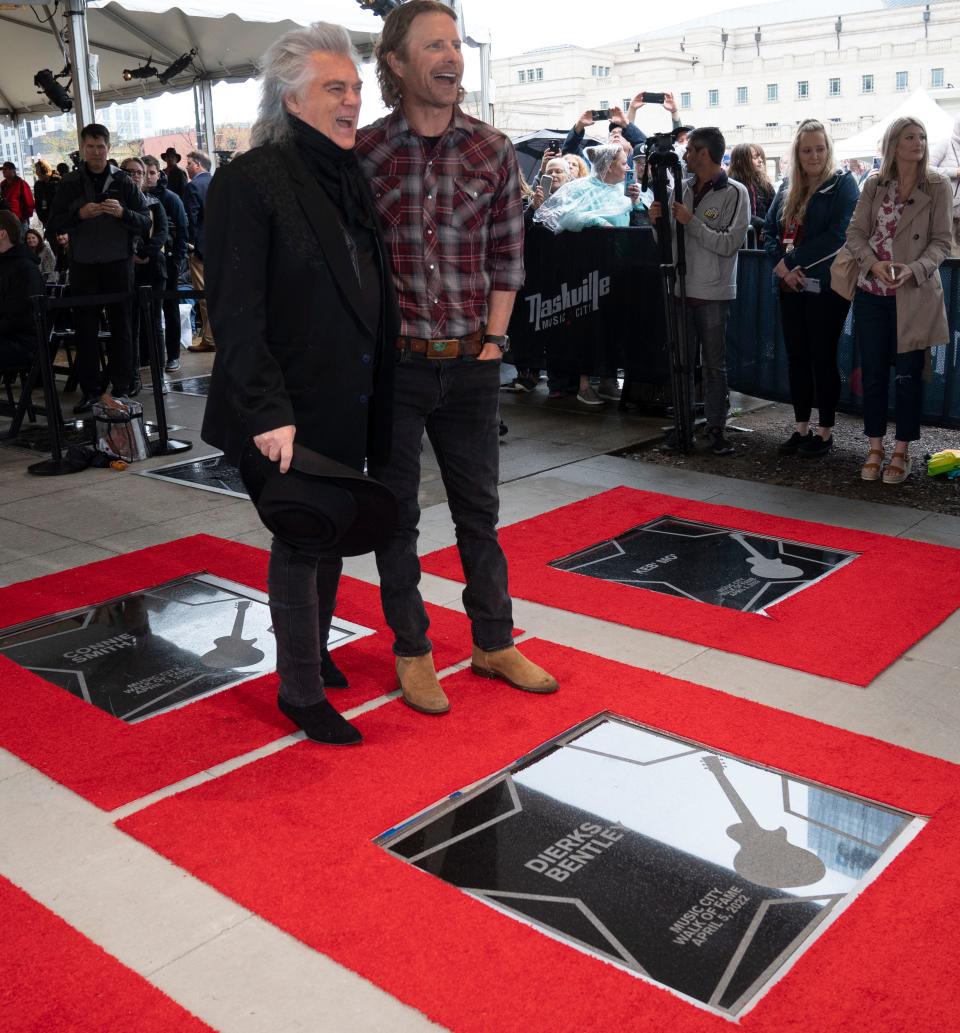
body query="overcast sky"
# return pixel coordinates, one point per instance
(514, 25)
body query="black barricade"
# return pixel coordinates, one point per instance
(757, 360)
(591, 302)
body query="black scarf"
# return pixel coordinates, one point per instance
(338, 173)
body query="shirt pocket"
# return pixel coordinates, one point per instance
(472, 197)
(387, 198)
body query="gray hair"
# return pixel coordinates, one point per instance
(286, 72)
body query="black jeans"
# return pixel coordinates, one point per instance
(171, 311)
(303, 594)
(812, 324)
(875, 320)
(456, 401)
(103, 278)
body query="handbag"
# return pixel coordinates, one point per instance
(844, 273)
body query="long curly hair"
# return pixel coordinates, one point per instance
(393, 40)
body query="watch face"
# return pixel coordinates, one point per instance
(685, 866)
(718, 565)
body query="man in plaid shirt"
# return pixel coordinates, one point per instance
(447, 189)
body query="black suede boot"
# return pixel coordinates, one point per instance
(321, 723)
(333, 677)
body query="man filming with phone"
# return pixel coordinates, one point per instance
(714, 212)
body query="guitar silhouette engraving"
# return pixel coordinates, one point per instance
(762, 565)
(765, 857)
(233, 650)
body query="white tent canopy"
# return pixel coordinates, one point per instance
(126, 35)
(866, 143)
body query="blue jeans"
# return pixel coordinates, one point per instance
(456, 402)
(707, 327)
(875, 324)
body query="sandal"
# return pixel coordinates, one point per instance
(870, 471)
(898, 469)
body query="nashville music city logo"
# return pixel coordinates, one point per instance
(548, 312)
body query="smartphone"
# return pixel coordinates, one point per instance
(546, 185)
(629, 180)
(654, 98)
(600, 115)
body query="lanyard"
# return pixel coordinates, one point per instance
(790, 235)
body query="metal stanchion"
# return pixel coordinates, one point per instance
(164, 446)
(55, 465)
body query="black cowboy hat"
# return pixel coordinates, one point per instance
(319, 505)
(168, 152)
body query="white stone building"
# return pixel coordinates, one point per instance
(755, 71)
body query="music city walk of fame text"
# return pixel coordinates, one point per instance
(708, 915)
(575, 850)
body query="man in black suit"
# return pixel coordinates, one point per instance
(195, 201)
(305, 317)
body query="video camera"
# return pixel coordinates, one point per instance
(661, 143)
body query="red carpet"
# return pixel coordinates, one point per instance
(290, 837)
(110, 762)
(850, 626)
(55, 980)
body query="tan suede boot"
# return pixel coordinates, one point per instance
(511, 666)
(417, 679)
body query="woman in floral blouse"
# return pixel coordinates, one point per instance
(899, 235)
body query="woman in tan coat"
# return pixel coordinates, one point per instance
(899, 235)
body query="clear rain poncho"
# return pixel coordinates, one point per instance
(589, 201)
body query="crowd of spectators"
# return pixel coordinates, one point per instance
(107, 230)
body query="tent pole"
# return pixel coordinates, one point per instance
(209, 131)
(84, 107)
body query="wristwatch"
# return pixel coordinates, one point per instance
(502, 341)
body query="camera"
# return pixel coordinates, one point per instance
(661, 143)
(600, 114)
(654, 98)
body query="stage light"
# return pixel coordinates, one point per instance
(381, 8)
(177, 66)
(147, 71)
(55, 93)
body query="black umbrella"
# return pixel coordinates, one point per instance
(530, 148)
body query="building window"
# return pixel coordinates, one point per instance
(833, 88)
(713, 98)
(521, 76)
(866, 84)
(600, 70)
(936, 78)
(529, 75)
(626, 102)
(684, 100)
(903, 81)
(604, 104)
(803, 89)
(539, 75)
(741, 95)
(593, 69)
(773, 92)
(772, 125)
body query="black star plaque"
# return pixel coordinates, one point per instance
(735, 569)
(685, 866)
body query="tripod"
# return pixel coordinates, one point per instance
(660, 161)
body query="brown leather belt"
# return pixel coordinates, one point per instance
(445, 348)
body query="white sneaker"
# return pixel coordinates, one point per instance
(589, 397)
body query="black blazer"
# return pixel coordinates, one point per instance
(294, 342)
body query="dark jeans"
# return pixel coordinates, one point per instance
(707, 327)
(171, 311)
(103, 278)
(812, 324)
(456, 401)
(303, 595)
(875, 320)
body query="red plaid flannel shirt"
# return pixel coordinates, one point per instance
(452, 219)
